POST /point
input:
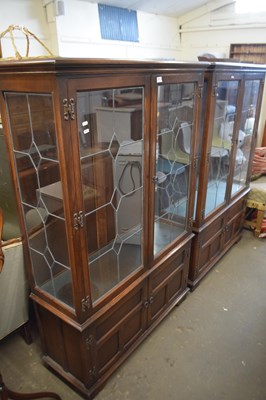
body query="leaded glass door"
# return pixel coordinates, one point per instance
(220, 153)
(245, 134)
(111, 151)
(174, 153)
(36, 154)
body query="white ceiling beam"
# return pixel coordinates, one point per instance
(207, 8)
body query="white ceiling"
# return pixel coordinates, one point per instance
(171, 8)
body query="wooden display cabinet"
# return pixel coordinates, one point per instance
(232, 102)
(103, 155)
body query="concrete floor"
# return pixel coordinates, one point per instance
(211, 347)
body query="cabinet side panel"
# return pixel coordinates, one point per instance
(51, 332)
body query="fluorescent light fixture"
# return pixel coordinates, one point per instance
(250, 6)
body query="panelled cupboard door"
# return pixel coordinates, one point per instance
(176, 104)
(234, 221)
(206, 247)
(168, 284)
(116, 330)
(121, 325)
(109, 134)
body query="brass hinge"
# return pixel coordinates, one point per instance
(85, 303)
(199, 92)
(190, 222)
(69, 109)
(78, 220)
(215, 91)
(202, 214)
(196, 161)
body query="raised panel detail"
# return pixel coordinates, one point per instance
(119, 328)
(168, 283)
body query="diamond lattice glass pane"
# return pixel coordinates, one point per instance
(104, 274)
(43, 130)
(51, 196)
(41, 269)
(111, 136)
(130, 255)
(175, 107)
(63, 286)
(246, 131)
(220, 154)
(57, 240)
(48, 257)
(114, 146)
(28, 182)
(33, 134)
(19, 117)
(116, 199)
(34, 155)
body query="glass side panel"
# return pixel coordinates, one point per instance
(224, 119)
(251, 93)
(111, 148)
(175, 109)
(32, 128)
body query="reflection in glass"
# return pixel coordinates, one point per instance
(251, 92)
(173, 147)
(219, 158)
(35, 150)
(111, 149)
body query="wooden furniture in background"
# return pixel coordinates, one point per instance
(249, 52)
(232, 103)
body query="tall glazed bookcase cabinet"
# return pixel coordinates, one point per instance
(231, 109)
(103, 156)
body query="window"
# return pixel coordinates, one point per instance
(118, 23)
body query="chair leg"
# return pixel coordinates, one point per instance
(26, 332)
(260, 215)
(6, 394)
